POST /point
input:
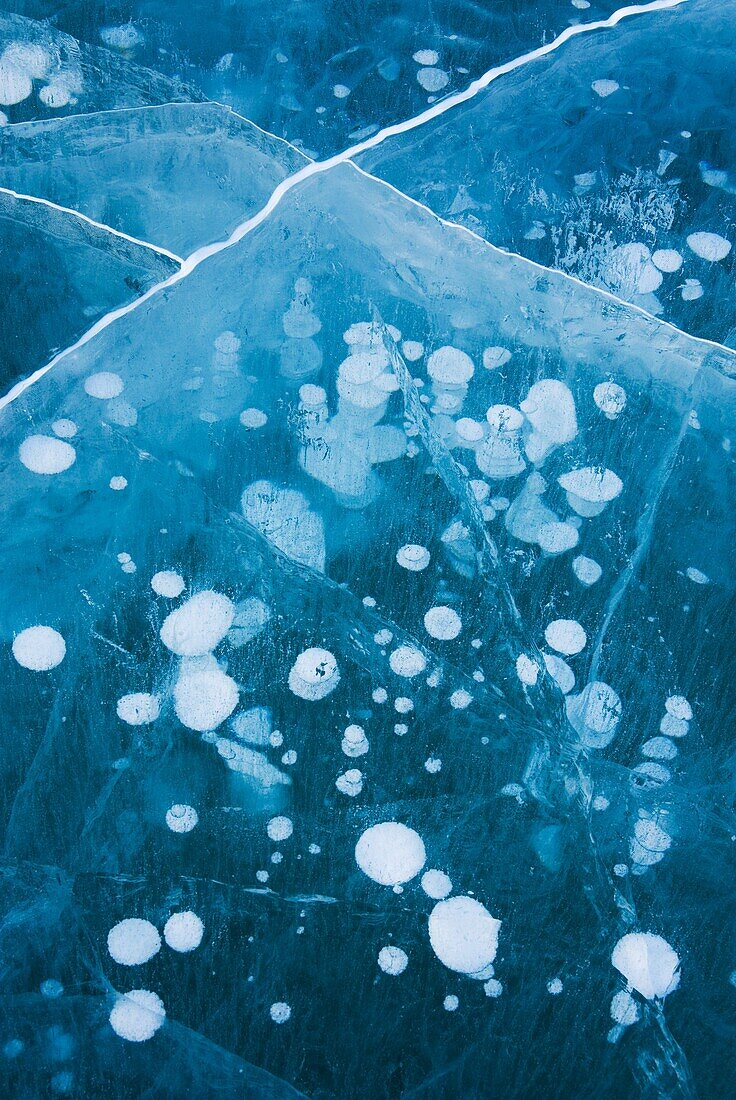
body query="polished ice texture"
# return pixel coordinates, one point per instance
(367, 608)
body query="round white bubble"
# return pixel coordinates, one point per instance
(412, 350)
(648, 963)
(390, 853)
(138, 709)
(47, 455)
(624, 1009)
(566, 636)
(586, 570)
(103, 385)
(253, 418)
(407, 661)
(557, 538)
(204, 699)
(464, 935)
(604, 88)
(39, 648)
(183, 931)
(280, 1012)
(560, 672)
(442, 623)
(610, 399)
(433, 80)
(667, 260)
(595, 714)
(137, 1015)
(450, 366)
(181, 818)
(413, 557)
(678, 707)
(709, 246)
(167, 583)
(314, 674)
(15, 84)
(436, 884)
(65, 429)
(133, 941)
(392, 960)
(280, 828)
(527, 670)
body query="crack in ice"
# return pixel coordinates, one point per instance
(313, 168)
(95, 224)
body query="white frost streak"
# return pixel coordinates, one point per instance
(314, 168)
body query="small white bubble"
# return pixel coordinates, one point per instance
(181, 818)
(280, 828)
(392, 960)
(280, 1012)
(167, 583)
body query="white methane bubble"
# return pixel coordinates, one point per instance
(181, 818)
(566, 636)
(103, 385)
(392, 960)
(204, 698)
(549, 408)
(464, 936)
(407, 661)
(610, 399)
(183, 931)
(39, 648)
(138, 709)
(133, 941)
(390, 853)
(137, 1015)
(413, 557)
(648, 963)
(279, 829)
(167, 583)
(590, 488)
(442, 623)
(199, 625)
(314, 674)
(46, 455)
(595, 714)
(709, 246)
(436, 884)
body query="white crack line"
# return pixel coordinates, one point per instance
(711, 345)
(314, 168)
(96, 225)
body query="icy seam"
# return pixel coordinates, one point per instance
(97, 225)
(314, 168)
